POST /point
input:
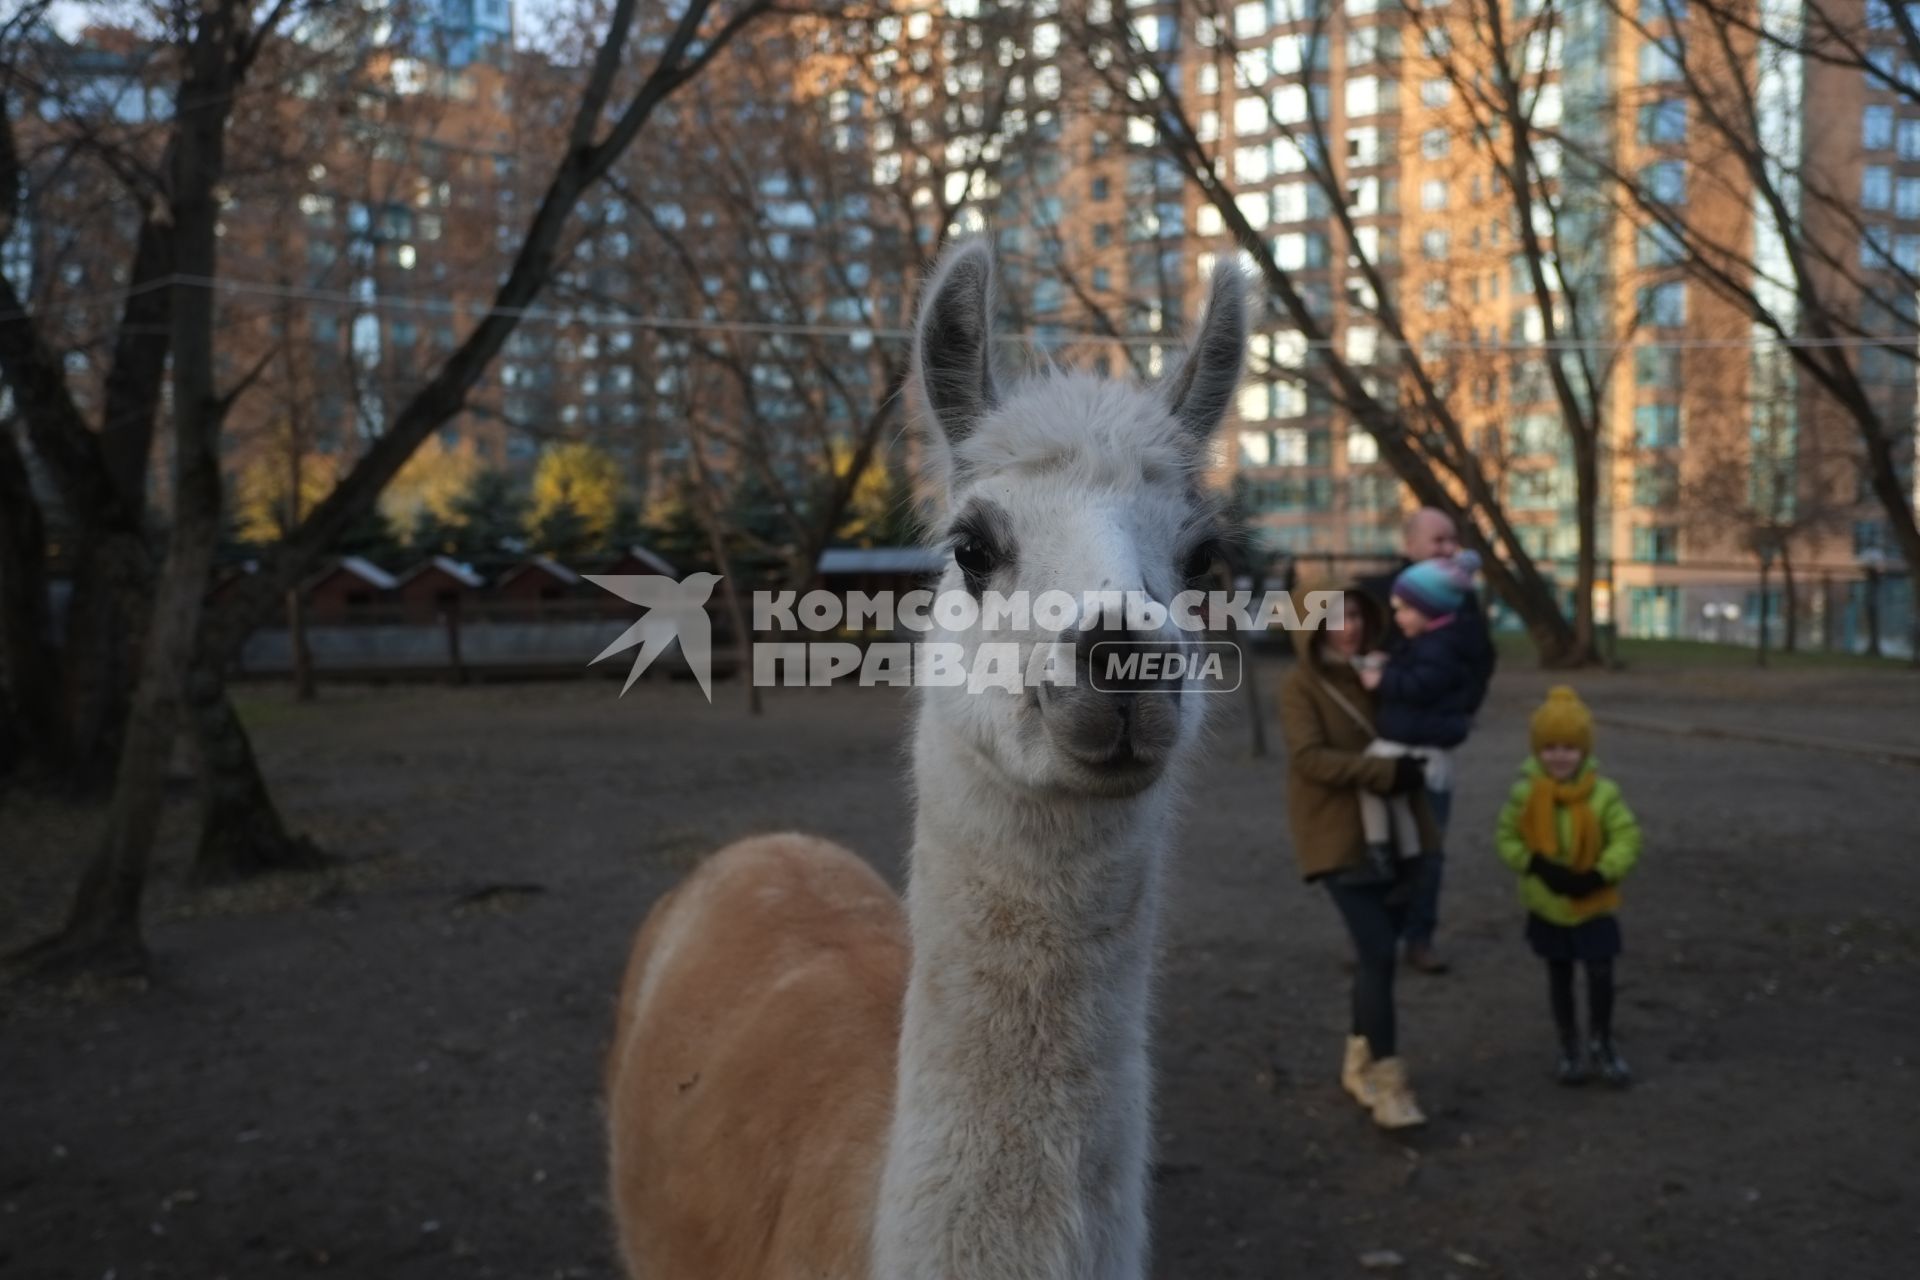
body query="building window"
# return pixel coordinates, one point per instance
(1656, 10)
(1653, 612)
(1290, 447)
(1102, 279)
(1433, 244)
(1656, 426)
(1660, 61)
(1656, 367)
(1435, 143)
(1436, 92)
(1876, 128)
(1656, 484)
(1290, 104)
(1876, 247)
(1298, 250)
(1906, 200)
(1100, 188)
(1656, 544)
(1102, 234)
(1368, 95)
(1664, 122)
(1250, 117)
(1433, 194)
(1876, 186)
(1910, 139)
(1363, 146)
(1665, 182)
(1664, 305)
(1658, 246)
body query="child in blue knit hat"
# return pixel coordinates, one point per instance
(1424, 694)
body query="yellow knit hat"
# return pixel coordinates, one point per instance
(1563, 720)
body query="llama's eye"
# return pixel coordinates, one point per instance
(1199, 562)
(976, 558)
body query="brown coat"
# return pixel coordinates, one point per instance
(1325, 765)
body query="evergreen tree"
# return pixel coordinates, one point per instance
(492, 518)
(563, 532)
(372, 537)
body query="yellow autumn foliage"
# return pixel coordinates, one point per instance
(581, 476)
(261, 510)
(432, 482)
(871, 504)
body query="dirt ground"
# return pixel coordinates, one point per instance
(392, 1070)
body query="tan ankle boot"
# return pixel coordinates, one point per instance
(1353, 1072)
(1391, 1097)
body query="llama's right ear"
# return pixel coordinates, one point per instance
(952, 340)
(1201, 389)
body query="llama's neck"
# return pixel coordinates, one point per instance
(1020, 1138)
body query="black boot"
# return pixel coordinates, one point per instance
(1613, 1067)
(1572, 1068)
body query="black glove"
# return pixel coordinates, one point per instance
(1409, 774)
(1581, 884)
(1557, 877)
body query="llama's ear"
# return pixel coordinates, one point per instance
(1200, 390)
(952, 340)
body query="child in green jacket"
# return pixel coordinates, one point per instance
(1572, 839)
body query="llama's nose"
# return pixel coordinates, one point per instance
(1115, 658)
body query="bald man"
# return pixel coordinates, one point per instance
(1428, 533)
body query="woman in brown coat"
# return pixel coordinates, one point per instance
(1327, 718)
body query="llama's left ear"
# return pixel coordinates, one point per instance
(953, 339)
(1201, 389)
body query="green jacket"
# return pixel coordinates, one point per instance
(1619, 842)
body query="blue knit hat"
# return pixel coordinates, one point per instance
(1437, 587)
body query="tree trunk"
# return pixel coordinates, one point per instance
(34, 731)
(107, 610)
(1873, 613)
(301, 655)
(1256, 717)
(729, 586)
(451, 620)
(1827, 612)
(1790, 643)
(103, 931)
(1766, 574)
(241, 832)
(1586, 502)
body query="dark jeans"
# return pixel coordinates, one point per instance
(1374, 923)
(1424, 915)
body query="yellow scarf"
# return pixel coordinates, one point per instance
(1542, 832)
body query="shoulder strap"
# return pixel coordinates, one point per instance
(1341, 701)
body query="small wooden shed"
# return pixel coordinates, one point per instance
(347, 590)
(436, 587)
(537, 580)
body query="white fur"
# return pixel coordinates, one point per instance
(756, 1145)
(1022, 1130)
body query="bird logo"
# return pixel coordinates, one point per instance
(674, 610)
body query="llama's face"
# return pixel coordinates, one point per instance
(1070, 490)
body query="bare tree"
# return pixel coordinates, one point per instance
(1816, 280)
(218, 45)
(106, 172)
(1759, 476)
(1417, 429)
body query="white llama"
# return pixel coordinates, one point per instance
(808, 1082)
